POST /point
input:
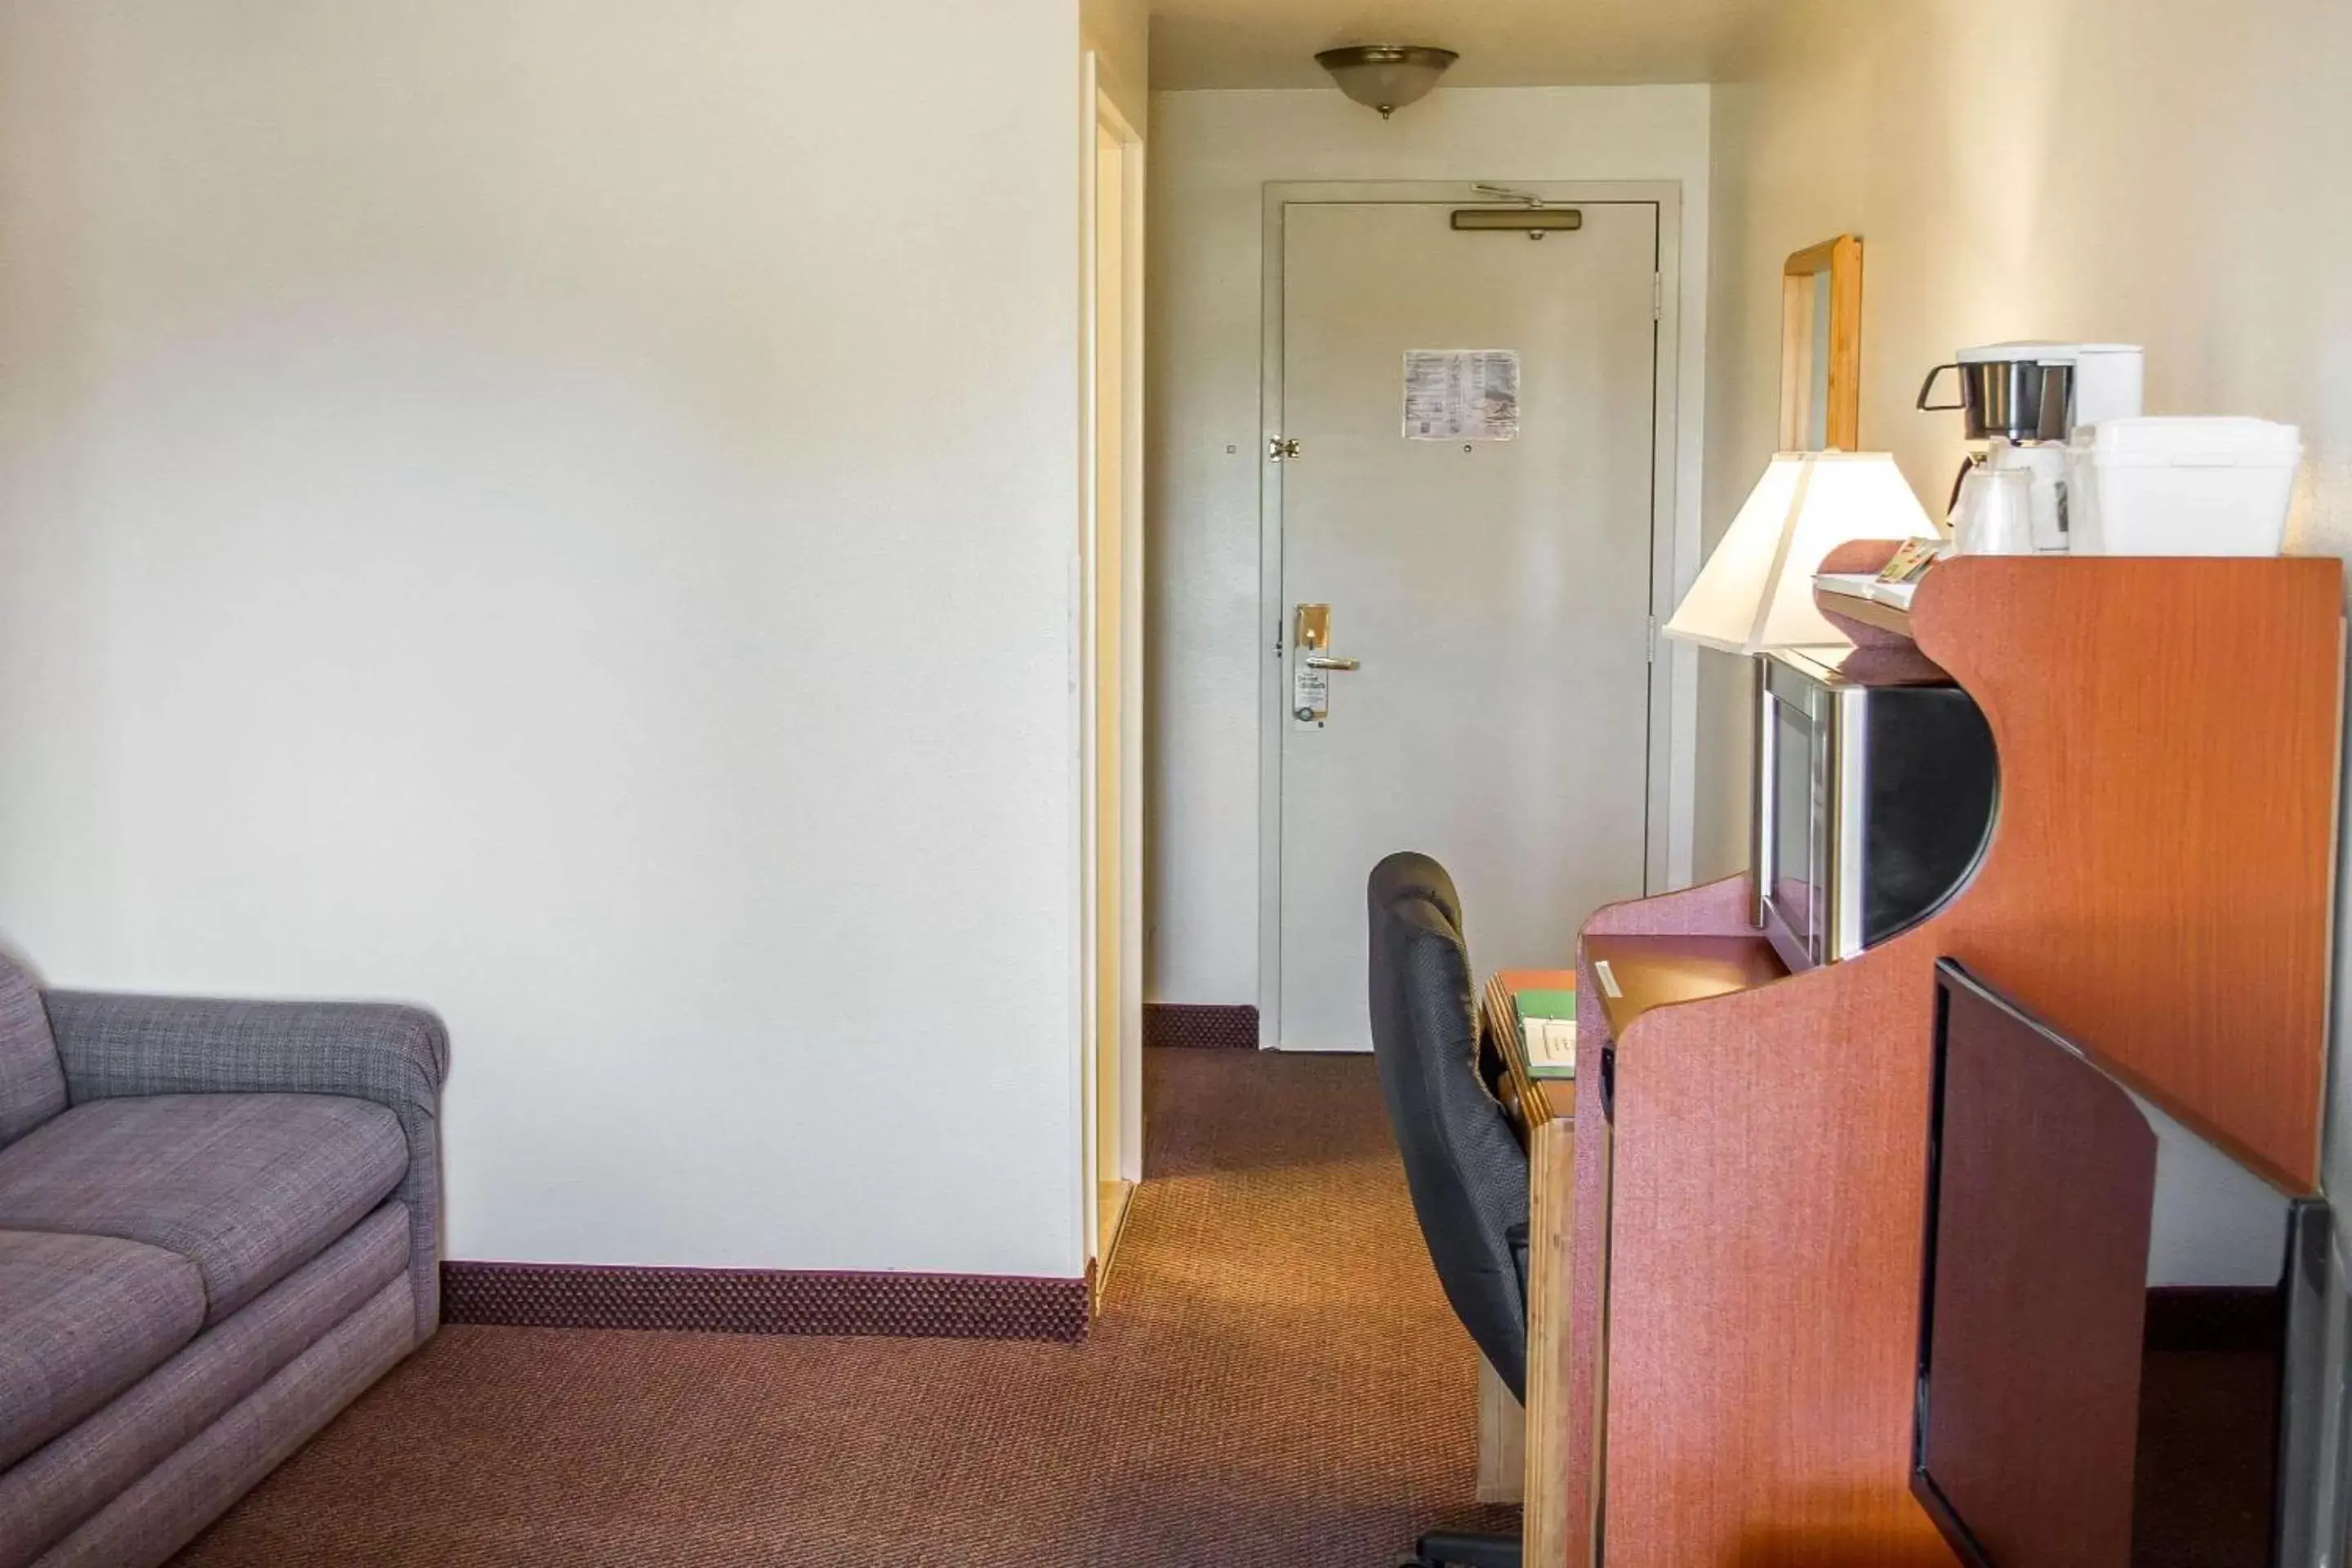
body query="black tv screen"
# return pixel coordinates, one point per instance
(2121, 1324)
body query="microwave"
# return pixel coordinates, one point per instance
(1875, 789)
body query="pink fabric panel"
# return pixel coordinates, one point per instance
(1713, 909)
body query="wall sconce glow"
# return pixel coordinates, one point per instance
(1386, 76)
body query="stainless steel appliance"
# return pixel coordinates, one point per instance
(2024, 400)
(2019, 400)
(1876, 790)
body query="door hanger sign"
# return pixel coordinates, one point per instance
(1310, 697)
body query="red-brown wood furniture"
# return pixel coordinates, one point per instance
(1747, 1224)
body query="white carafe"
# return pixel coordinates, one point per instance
(1995, 514)
(2024, 400)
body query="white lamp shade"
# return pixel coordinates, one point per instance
(1755, 591)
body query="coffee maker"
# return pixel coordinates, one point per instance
(2025, 399)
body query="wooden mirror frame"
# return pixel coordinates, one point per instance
(1841, 260)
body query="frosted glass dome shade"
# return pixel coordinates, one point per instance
(1386, 76)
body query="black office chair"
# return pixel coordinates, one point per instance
(1466, 1167)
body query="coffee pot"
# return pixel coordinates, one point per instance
(2024, 400)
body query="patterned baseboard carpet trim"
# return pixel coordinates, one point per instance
(765, 1302)
(1199, 1026)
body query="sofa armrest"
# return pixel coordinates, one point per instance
(114, 1047)
(116, 1044)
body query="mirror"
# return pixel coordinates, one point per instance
(1820, 348)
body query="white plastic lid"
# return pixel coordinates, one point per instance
(2039, 353)
(2161, 440)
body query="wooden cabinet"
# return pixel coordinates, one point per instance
(1748, 1220)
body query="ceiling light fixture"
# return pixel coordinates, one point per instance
(1386, 76)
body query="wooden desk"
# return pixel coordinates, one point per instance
(1545, 1109)
(1639, 973)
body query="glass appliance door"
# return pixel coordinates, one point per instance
(1795, 893)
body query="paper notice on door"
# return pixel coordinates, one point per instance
(1462, 395)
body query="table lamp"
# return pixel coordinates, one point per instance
(1756, 592)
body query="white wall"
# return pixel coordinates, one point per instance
(1212, 154)
(2212, 1222)
(565, 510)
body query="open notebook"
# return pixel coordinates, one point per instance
(1544, 1002)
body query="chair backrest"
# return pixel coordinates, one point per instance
(32, 1080)
(1463, 1164)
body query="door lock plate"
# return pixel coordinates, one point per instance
(1310, 676)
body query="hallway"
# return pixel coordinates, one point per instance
(1276, 1380)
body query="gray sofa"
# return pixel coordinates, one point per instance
(217, 1227)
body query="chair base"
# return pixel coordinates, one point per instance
(1452, 1549)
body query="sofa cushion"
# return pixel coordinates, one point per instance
(32, 1080)
(78, 1473)
(82, 1318)
(247, 1186)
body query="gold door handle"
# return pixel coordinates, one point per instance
(1325, 661)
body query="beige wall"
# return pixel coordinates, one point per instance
(2163, 172)
(1119, 33)
(1213, 156)
(2171, 173)
(565, 511)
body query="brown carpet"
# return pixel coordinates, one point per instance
(1275, 1381)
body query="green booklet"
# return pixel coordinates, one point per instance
(1546, 1003)
(1548, 1028)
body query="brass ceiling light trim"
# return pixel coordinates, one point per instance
(1386, 76)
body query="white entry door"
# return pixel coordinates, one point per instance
(1485, 553)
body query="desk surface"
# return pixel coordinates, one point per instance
(1660, 971)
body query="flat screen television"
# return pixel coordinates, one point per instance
(2122, 1324)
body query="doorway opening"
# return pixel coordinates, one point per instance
(1110, 666)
